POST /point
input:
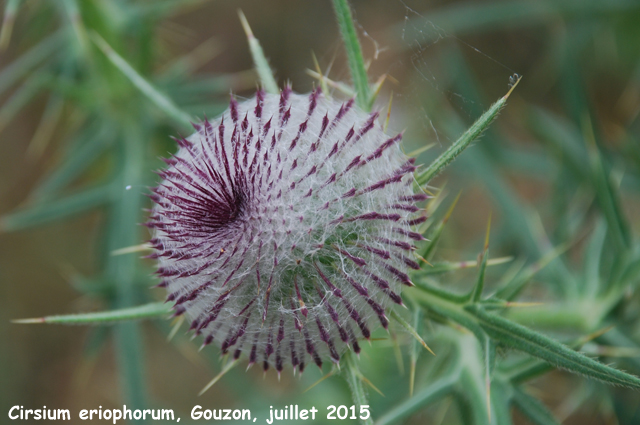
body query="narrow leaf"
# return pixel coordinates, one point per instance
(158, 99)
(414, 352)
(56, 210)
(476, 293)
(145, 311)
(87, 147)
(429, 249)
(513, 287)
(29, 60)
(533, 408)
(354, 53)
(607, 193)
(9, 17)
(428, 395)
(260, 61)
(464, 141)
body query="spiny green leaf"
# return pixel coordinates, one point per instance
(354, 53)
(463, 142)
(533, 408)
(146, 311)
(56, 210)
(516, 336)
(260, 61)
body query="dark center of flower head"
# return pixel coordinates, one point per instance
(222, 212)
(284, 229)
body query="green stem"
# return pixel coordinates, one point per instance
(354, 53)
(121, 270)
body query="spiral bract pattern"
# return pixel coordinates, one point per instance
(284, 229)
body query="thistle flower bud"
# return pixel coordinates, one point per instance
(283, 230)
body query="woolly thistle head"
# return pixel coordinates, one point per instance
(284, 229)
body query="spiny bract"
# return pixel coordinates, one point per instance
(283, 229)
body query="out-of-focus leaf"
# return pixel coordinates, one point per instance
(146, 311)
(260, 61)
(159, 99)
(533, 408)
(56, 209)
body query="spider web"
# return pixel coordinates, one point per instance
(428, 87)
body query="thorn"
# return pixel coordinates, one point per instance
(423, 259)
(451, 208)
(30, 321)
(245, 24)
(323, 83)
(226, 369)
(319, 380)
(179, 321)
(131, 249)
(386, 121)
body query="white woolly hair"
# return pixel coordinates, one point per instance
(283, 229)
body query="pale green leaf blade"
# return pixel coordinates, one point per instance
(159, 99)
(56, 210)
(8, 19)
(259, 60)
(88, 146)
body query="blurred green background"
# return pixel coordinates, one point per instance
(445, 61)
